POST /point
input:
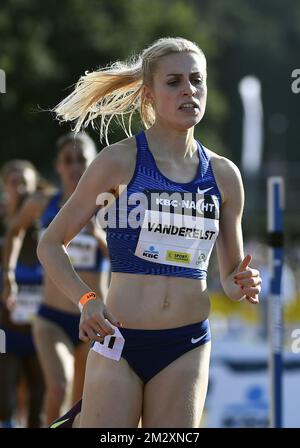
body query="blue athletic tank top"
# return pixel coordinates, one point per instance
(28, 269)
(159, 226)
(83, 250)
(29, 275)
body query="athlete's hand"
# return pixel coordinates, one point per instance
(249, 280)
(93, 325)
(10, 290)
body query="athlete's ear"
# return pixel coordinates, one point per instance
(148, 94)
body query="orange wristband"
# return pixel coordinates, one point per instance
(86, 298)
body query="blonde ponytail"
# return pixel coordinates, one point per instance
(117, 91)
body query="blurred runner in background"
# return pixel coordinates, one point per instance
(62, 354)
(21, 295)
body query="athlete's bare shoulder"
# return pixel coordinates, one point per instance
(227, 174)
(119, 159)
(123, 151)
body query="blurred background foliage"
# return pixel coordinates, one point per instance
(46, 46)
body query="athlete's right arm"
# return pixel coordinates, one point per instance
(104, 175)
(13, 240)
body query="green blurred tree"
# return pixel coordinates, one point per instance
(45, 47)
(262, 38)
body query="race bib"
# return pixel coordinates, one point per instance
(112, 345)
(28, 300)
(82, 251)
(179, 231)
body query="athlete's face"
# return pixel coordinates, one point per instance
(19, 182)
(72, 161)
(178, 92)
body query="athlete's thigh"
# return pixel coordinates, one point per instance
(55, 350)
(175, 396)
(112, 395)
(80, 355)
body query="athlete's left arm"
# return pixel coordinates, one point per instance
(239, 280)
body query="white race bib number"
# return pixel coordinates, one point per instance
(178, 239)
(112, 345)
(28, 300)
(82, 251)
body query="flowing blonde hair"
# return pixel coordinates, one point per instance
(117, 90)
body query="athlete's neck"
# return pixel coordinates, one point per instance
(170, 145)
(11, 208)
(12, 205)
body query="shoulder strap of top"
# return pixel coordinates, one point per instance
(51, 209)
(141, 141)
(54, 201)
(205, 161)
(144, 156)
